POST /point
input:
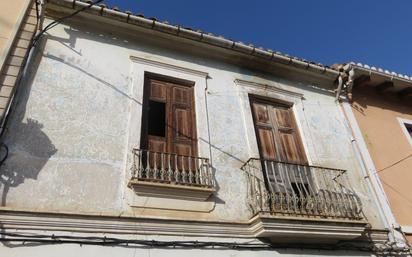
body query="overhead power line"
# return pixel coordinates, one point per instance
(60, 20)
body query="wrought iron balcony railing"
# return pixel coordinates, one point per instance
(300, 190)
(169, 168)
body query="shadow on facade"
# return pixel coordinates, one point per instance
(365, 97)
(103, 82)
(29, 146)
(29, 152)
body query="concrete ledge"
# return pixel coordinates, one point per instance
(175, 191)
(279, 230)
(284, 230)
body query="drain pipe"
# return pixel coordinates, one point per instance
(351, 79)
(339, 89)
(397, 240)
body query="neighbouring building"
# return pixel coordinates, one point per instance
(379, 109)
(133, 137)
(18, 24)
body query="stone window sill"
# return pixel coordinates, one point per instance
(175, 191)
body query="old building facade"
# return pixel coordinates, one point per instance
(130, 136)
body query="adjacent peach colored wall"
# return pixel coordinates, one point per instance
(390, 150)
(11, 14)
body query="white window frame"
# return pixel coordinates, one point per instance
(139, 68)
(274, 91)
(403, 123)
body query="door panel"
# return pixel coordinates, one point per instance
(181, 95)
(283, 118)
(261, 113)
(157, 144)
(290, 149)
(182, 139)
(182, 123)
(183, 149)
(267, 146)
(157, 90)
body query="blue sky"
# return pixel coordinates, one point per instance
(377, 32)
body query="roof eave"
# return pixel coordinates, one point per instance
(202, 37)
(379, 73)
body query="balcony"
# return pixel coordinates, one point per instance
(303, 202)
(169, 175)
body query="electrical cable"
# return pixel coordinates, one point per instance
(59, 20)
(395, 163)
(151, 243)
(109, 241)
(35, 39)
(3, 145)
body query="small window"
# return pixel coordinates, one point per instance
(406, 126)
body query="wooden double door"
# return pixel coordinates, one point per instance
(286, 174)
(169, 117)
(276, 131)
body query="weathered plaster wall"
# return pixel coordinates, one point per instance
(377, 116)
(77, 119)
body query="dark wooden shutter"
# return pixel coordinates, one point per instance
(182, 139)
(265, 131)
(277, 133)
(180, 131)
(158, 93)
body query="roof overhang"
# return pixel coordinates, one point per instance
(257, 57)
(380, 80)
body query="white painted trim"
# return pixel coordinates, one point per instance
(141, 66)
(407, 230)
(168, 66)
(267, 87)
(310, 231)
(259, 225)
(247, 88)
(402, 123)
(150, 64)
